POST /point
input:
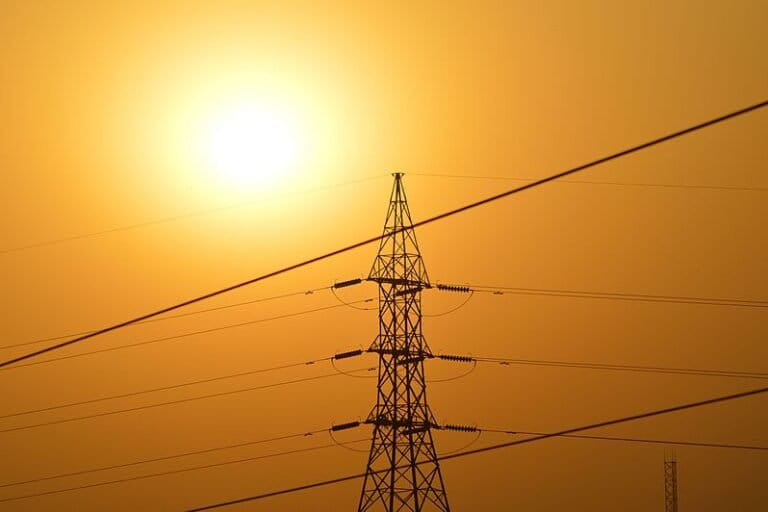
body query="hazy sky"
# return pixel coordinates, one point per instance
(104, 111)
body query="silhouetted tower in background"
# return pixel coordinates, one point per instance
(403, 473)
(670, 483)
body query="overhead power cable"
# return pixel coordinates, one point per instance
(343, 355)
(493, 447)
(583, 182)
(502, 290)
(164, 458)
(180, 336)
(180, 315)
(439, 287)
(180, 401)
(633, 440)
(182, 470)
(460, 376)
(479, 430)
(350, 304)
(355, 424)
(424, 222)
(344, 445)
(609, 367)
(456, 308)
(350, 374)
(466, 446)
(164, 220)
(164, 388)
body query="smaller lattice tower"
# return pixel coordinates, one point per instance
(670, 483)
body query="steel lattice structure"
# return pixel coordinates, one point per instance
(403, 473)
(670, 484)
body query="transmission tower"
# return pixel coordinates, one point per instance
(670, 483)
(403, 473)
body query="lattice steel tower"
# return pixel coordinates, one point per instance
(403, 473)
(670, 483)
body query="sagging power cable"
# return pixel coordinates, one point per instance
(179, 401)
(196, 213)
(632, 440)
(489, 448)
(633, 297)
(163, 458)
(165, 388)
(584, 182)
(180, 336)
(424, 222)
(345, 284)
(608, 367)
(180, 315)
(182, 470)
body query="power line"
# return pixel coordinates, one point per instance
(164, 458)
(349, 304)
(625, 419)
(343, 355)
(503, 290)
(627, 296)
(183, 470)
(461, 449)
(661, 185)
(610, 367)
(179, 401)
(453, 309)
(429, 220)
(456, 377)
(347, 372)
(165, 388)
(634, 440)
(180, 336)
(617, 421)
(281, 492)
(164, 220)
(180, 315)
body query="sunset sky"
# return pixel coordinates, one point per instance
(151, 152)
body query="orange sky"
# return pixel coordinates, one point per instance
(100, 101)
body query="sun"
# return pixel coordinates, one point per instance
(251, 143)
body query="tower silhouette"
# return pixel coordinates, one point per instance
(403, 473)
(670, 483)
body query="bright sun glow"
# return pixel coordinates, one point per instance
(251, 143)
